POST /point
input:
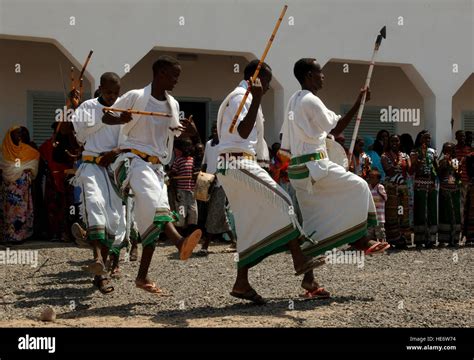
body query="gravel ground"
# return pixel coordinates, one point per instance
(427, 288)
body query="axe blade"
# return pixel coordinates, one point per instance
(380, 36)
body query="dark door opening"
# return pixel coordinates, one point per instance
(199, 112)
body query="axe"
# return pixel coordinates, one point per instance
(378, 41)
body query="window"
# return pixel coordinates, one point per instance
(468, 121)
(370, 124)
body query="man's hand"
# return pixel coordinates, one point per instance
(75, 98)
(109, 157)
(110, 119)
(125, 117)
(256, 88)
(367, 97)
(188, 128)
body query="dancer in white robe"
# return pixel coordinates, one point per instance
(145, 150)
(336, 204)
(265, 219)
(101, 204)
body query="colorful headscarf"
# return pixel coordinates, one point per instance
(16, 159)
(22, 152)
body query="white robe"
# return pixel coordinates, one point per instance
(336, 204)
(101, 208)
(145, 180)
(264, 216)
(162, 147)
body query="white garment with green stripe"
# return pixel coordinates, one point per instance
(336, 205)
(150, 194)
(265, 219)
(101, 207)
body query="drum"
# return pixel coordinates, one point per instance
(204, 182)
(336, 153)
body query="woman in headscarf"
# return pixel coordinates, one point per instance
(374, 156)
(19, 167)
(397, 166)
(425, 167)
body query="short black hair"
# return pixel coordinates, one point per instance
(162, 62)
(252, 66)
(302, 67)
(109, 77)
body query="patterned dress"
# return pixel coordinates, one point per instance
(397, 215)
(449, 202)
(425, 197)
(16, 202)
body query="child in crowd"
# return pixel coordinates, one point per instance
(380, 197)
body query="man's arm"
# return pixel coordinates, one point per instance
(246, 125)
(110, 119)
(342, 123)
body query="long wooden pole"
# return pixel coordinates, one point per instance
(257, 70)
(378, 41)
(138, 112)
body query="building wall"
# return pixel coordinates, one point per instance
(39, 72)
(389, 86)
(463, 101)
(122, 32)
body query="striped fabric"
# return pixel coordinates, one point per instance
(379, 195)
(184, 166)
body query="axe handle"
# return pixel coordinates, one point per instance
(362, 104)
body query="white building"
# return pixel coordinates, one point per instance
(426, 63)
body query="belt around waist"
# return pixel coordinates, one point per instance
(307, 158)
(151, 159)
(91, 159)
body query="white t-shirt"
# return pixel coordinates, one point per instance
(211, 153)
(151, 133)
(233, 142)
(96, 136)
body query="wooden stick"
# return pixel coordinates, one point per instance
(72, 78)
(85, 64)
(80, 88)
(68, 103)
(83, 70)
(257, 70)
(378, 41)
(138, 112)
